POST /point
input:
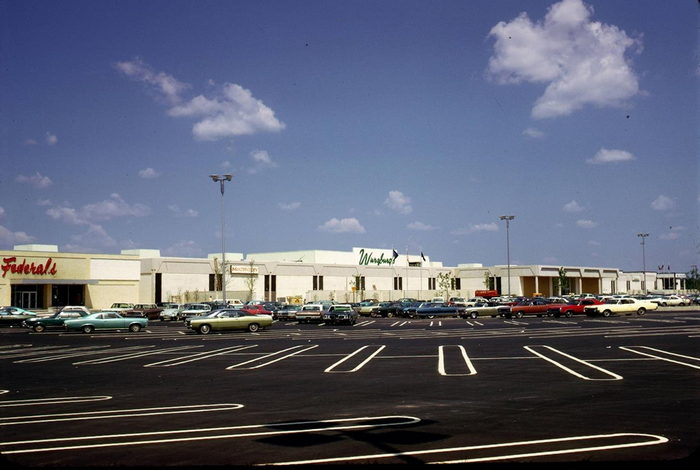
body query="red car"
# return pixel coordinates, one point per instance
(575, 307)
(256, 309)
(537, 306)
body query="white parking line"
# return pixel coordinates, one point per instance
(197, 357)
(441, 361)
(296, 350)
(661, 358)
(160, 437)
(640, 440)
(52, 401)
(111, 414)
(125, 357)
(359, 366)
(576, 360)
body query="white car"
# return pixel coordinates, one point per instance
(193, 310)
(621, 306)
(119, 307)
(668, 300)
(170, 311)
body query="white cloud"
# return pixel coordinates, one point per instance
(610, 156)
(572, 206)
(261, 161)
(37, 180)
(9, 238)
(586, 223)
(663, 203)
(115, 206)
(148, 173)
(421, 227)
(398, 202)
(349, 225)
(175, 209)
(2, 211)
(184, 248)
(291, 206)
(534, 133)
(232, 112)
(581, 61)
(51, 138)
(167, 86)
(674, 233)
(235, 112)
(487, 227)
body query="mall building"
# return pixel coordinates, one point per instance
(40, 277)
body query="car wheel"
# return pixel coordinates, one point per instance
(39, 328)
(389, 314)
(474, 315)
(641, 311)
(135, 328)
(606, 313)
(204, 329)
(568, 314)
(253, 327)
(88, 329)
(518, 314)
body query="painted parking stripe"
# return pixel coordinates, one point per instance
(295, 350)
(202, 434)
(667, 356)
(198, 357)
(569, 363)
(362, 357)
(81, 352)
(52, 401)
(455, 371)
(125, 357)
(577, 444)
(112, 414)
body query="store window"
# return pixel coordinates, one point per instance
(318, 283)
(398, 283)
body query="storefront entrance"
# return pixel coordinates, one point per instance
(67, 294)
(28, 296)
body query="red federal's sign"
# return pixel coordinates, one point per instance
(486, 293)
(10, 265)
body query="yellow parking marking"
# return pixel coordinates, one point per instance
(574, 362)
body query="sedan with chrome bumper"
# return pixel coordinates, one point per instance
(228, 319)
(105, 321)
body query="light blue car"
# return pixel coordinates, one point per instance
(106, 321)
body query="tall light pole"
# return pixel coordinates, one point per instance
(644, 261)
(508, 218)
(221, 179)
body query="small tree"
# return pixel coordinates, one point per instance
(692, 279)
(252, 278)
(444, 282)
(562, 282)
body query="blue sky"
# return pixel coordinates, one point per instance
(386, 124)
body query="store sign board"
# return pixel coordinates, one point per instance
(11, 265)
(369, 258)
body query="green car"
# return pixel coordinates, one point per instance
(14, 316)
(56, 320)
(105, 321)
(228, 319)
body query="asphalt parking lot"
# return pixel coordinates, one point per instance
(386, 390)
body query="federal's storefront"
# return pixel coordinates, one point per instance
(39, 277)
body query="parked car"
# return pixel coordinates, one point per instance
(288, 312)
(53, 321)
(391, 309)
(120, 307)
(228, 319)
(311, 312)
(340, 313)
(367, 307)
(193, 310)
(573, 307)
(73, 308)
(256, 309)
(457, 301)
(481, 309)
(537, 306)
(431, 310)
(670, 300)
(409, 309)
(170, 311)
(14, 316)
(621, 306)
(105, 321)
(150, 311)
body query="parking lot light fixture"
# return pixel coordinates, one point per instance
(644, 262)
(508, 218)
(221, 179)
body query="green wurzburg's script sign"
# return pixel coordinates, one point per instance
(369, 258)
